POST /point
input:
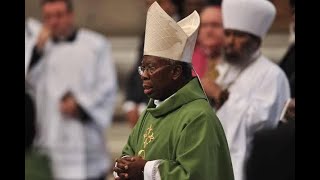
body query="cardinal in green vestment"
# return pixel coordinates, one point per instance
(178, 136)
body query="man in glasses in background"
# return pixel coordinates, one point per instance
(178, 136)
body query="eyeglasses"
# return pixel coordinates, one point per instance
(150, 69)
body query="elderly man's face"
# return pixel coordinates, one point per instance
(239, 46)
(157, 77)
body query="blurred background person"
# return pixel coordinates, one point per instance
(136, 100)
(37, 164)
(208, 50)
(275, 149)
(250, 91)
(74, 78)
(287, 64)
(32, 29)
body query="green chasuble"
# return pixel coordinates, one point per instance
(185, 134)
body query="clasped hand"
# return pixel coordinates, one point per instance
(130, 168)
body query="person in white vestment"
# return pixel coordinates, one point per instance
(74, 80)
(32, 29)
(250, 91)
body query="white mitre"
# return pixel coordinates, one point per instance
(168, 39)
(252, 16)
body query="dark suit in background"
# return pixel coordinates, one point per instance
(273, 154)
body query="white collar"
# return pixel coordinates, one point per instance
(158, 102)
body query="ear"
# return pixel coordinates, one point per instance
(176, 72)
